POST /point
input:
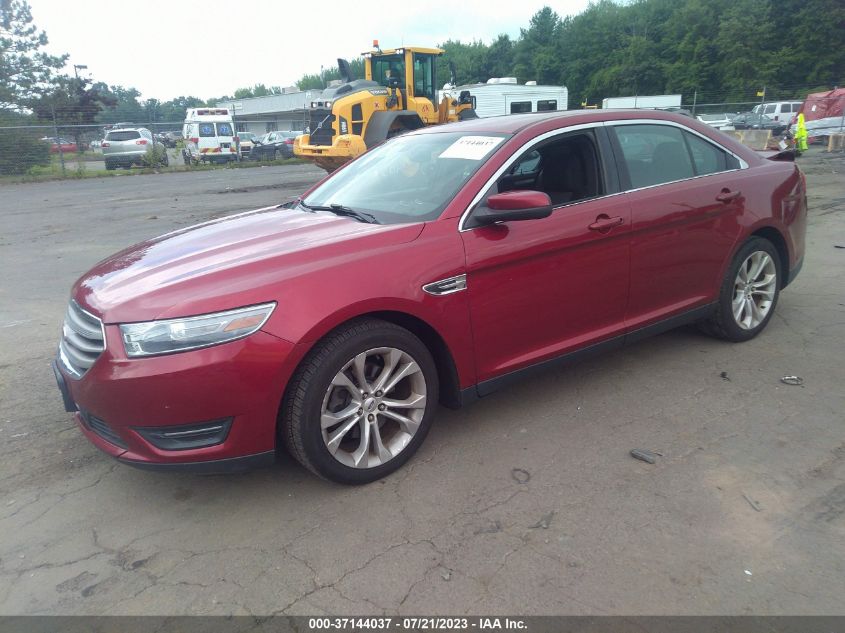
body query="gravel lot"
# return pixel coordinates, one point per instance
(527, 502)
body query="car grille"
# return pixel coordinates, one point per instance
(99, 427)
(82, 340)
(321, 122)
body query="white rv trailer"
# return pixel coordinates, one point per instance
(643, 101)
(503, 95)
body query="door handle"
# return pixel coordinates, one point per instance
(728, 196)
(603, 223)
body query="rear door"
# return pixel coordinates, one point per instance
(226, 138)
(685, 196)
(207, 142)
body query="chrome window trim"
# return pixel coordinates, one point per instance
(742, 163)
(583, 126)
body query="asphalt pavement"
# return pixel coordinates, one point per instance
(527, 502)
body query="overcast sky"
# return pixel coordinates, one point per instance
(211, 47)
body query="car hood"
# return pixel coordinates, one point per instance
(227, 263)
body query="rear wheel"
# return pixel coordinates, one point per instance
(361, 403)
(749, 292)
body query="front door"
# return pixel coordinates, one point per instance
(541, 288)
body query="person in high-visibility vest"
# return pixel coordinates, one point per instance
(801, 134)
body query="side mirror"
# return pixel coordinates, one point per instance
(511, 206)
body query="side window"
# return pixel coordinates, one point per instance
(520, 107)
(206, 129)
(707, 158)
(528, 164)
(546, 105)
(770, 109)
(654, 154)
(565, 168)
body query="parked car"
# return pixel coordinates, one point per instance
(246, 141)
(126, 147)
(511, 245)
(170, 139)
(60, 145)
(274, 146)
(754, 121)
(718, 121)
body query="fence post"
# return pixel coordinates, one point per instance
(694, 99)
(58, 140)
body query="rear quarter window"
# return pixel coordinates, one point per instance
(224, 129)
(707, 158)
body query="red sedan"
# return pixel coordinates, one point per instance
(60, 145)
(437, 267)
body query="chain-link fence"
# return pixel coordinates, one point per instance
(36, 149)
(68, 150)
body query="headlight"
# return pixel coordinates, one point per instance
(179, 335)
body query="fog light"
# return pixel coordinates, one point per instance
(188, 436)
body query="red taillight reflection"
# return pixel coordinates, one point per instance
(143, 141)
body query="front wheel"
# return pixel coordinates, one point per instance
(749, 292)
(361, 403)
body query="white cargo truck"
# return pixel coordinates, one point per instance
(503, 95)
(643, 101)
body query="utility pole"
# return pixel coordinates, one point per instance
(58, 140)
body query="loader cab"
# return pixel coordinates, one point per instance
(412, 68)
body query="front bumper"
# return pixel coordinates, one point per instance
(242, 381)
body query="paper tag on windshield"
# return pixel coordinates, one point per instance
(471, 147)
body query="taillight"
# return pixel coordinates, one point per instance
(288, 141)
(143, 141)
(105, 144)
(193, 139)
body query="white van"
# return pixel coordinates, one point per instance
(782, 111)
(209, 135)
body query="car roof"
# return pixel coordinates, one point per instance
(513, 123)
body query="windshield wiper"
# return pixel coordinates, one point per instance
(339, 209)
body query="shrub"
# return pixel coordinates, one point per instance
(21, 150)
(155, 155)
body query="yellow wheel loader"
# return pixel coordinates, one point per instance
(398, 93)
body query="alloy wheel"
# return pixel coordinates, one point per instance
(754, 290)
(373, 407)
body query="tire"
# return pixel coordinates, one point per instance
(110, 166)
(360, 427)
(763, 290)
(165, 162)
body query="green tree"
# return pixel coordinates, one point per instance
(537, 49)
(73, 102)
(26, 71)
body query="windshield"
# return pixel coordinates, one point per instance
(409, 178)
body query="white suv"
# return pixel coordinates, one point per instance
(124, 147)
